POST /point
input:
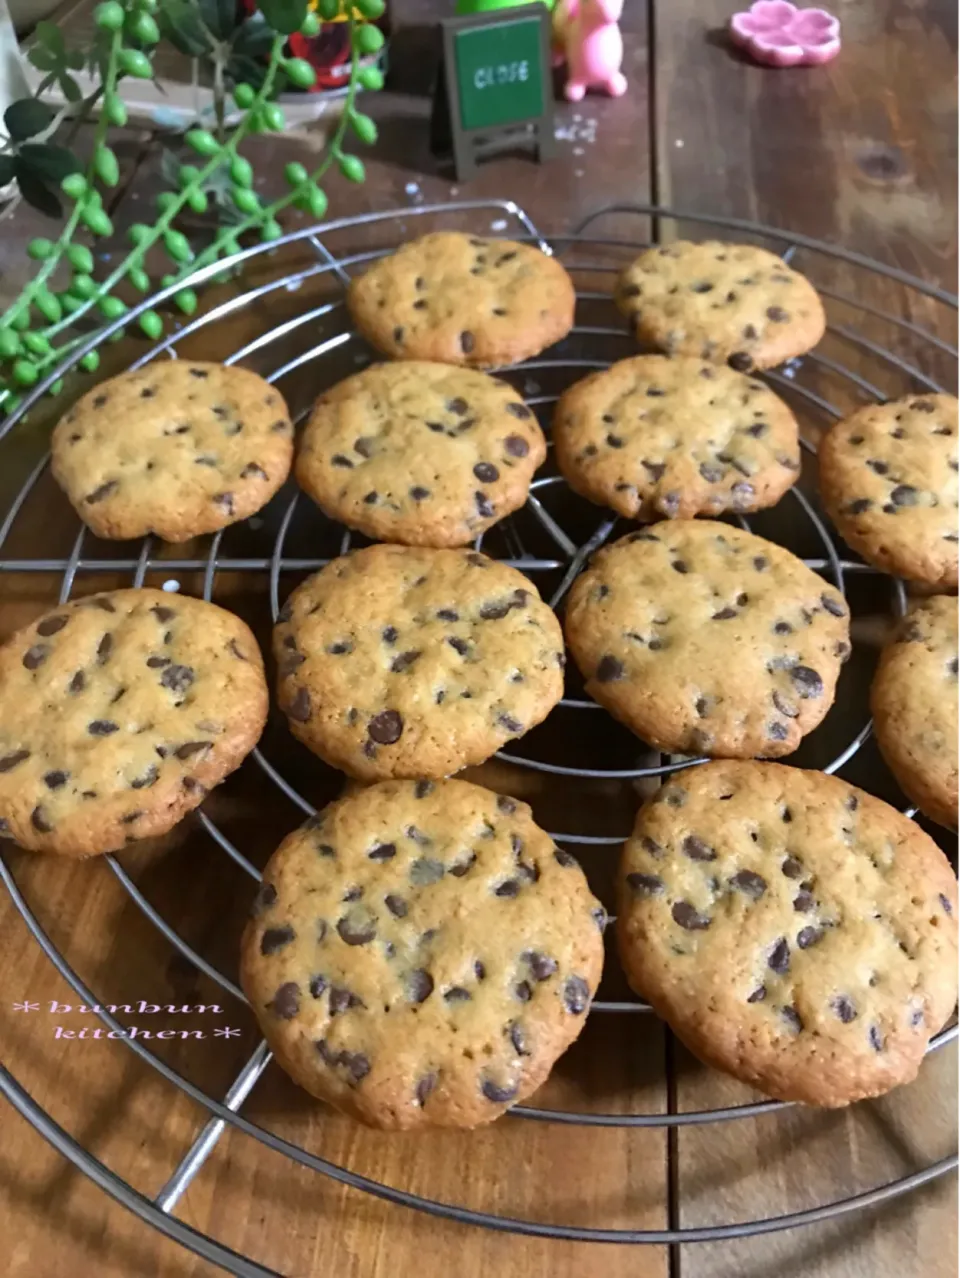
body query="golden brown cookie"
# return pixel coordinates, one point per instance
(419, 453)
(888, 479)
(420, 954)
(461, 299)
(792, 930)
(914, 704)
(704, 639)
(178, 449)
(118, 713)
(406, 662)
(730, 303)
(654, 437)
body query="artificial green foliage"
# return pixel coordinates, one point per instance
(250, 64)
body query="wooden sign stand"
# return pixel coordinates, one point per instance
(494, 91)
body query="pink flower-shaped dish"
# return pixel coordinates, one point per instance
(779, 34)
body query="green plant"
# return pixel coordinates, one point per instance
(35, 331)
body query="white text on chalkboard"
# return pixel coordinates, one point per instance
(504, 73)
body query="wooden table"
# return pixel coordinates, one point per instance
(860, 154)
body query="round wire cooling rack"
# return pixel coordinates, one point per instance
(870, 354)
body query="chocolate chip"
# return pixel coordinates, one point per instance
(486, 473)
(509, 724)
(687, 917)
(317, 986)
(419, 985)
(35, 656)
(758, 995)
(803, 902)
(357, 928)
(467, 343)
(11, 760)
(777, 314)
(750, 883)
(879, 467)
(405, 660)
(50, 625)
(275, 938)
(382, 852)
(509, 887)
(225, 501)
(876, 1038)
(741, 361)
(100, 493)
(77, 683)
(807, 682)
(609, 670)
(484, 508)
(778, 960)
(252, 470)
(541, 965)
(424, 1087)
(793, 1018)
(54, 780)
(697, 850)
(784, 706)
(286, 1002)
(576, 995)
(177, 678)
(725, 614)
(750, 334)
(808, 936)
(419, 493)
(190, 748)
(386, 727)
(341, 1000)
(494, 1092)
(458, 645)
(395, 904)
(102, 727)
(904, 495)
(679, 566)
(945, 902)
(712, 474)
(457, 994)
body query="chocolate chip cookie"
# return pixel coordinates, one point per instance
(888, 478)
(420, 453)
(730, 303)
(462, 299)
(118, 713)
(704, 639)
(178, 448)
(407, 662)
(654, 437)
(914, 704)
(420, 954)
(793, 931)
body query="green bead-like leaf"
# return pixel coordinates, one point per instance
(106, 167)
(139, 278)
(177, 246)
(197, 201)
(167, 280)
(246, 201)
(364, 128)
(371, 9)
(203, 142)
(329, 9)
(352, 168)
(310, 27)
(138, 233)
(371, 78)
(26, 118)
(186, 300)
(151, 324)
(74, 186)
(114, 110)
(80, 258)
(9, 344)
(145, 29)
(40, 249)
(300, 73)
(36, 344)
(166, 200)
(97, 221)
(70, 303)
(48, 306)
(135, 63)
(24, 373)
(272, 116)
(188, 173)
(241, 171)
(83, 285)
(21, 320)
(112, 308)
(109, 16)
(285, 16)
(244, 96)
(90, 362)
(271, 230)
(11, 403)
(317, 203)
(55, 387)
(295, 173)
(368, 39)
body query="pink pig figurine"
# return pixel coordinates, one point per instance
(587, 35)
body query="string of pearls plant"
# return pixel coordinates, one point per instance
(35, 331)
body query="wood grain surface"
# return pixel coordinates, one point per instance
(861, 154)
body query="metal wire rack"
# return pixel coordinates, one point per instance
(869, 355)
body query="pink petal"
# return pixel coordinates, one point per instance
(814, 26)
(770, 15)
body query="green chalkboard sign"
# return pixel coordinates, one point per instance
(496, 86)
